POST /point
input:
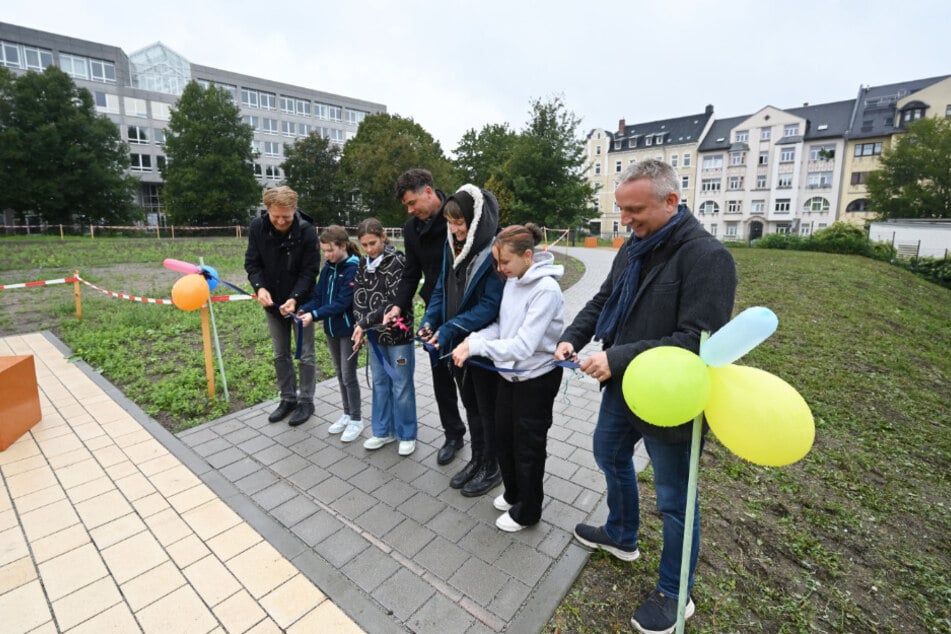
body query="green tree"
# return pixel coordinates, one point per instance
(915, 176)
(209, 175)
(384, 147)
(311, 167)
(58, 158)
(482, 155)
(546, 169)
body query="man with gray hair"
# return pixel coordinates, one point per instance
(670, 281)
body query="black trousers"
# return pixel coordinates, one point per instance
(523, 415)
(444, 388)
(478, 389)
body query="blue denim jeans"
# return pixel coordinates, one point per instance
(614, 439)
(394, 400)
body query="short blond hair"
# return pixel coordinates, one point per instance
(282, 196)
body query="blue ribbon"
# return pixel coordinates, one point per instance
(572, 365)
(390, 372)
(299, 332)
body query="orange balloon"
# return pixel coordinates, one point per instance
(190, 292)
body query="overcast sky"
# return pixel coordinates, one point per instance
(453, 65)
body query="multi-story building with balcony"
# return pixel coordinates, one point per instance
(881, 113)
(609, 152)
(138, 93)
(775, 171)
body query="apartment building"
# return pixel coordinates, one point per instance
(881, 114)
(609, 152)
(138, 92)
(775, 171)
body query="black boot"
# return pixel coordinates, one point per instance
(459, 480)
(285, 408)
(486, 478)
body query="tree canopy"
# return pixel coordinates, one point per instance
(482, 155)
(209, 174)
(915, 176)
(311, 169)
(384, 147)
(59, 159)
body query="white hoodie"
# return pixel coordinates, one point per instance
(531, 319)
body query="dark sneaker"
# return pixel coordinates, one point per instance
(486, 478)
(595, 537)
(302, 412)
(447, 453)
(285, 408)
(658, 614)
(466, 473)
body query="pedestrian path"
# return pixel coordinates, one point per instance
(244, 525)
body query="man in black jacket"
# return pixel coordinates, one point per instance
(424, 239)
(669, 282)
(282, 261)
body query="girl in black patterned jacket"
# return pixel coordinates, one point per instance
(392, 356)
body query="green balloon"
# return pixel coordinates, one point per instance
(666, 386)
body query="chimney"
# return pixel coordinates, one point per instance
(620, 127)
(805, 104)
(708, 109)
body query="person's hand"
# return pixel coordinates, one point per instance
(306, 319)
(357, 337)
(596, 366)
(425, 332)
(392, 314)
(264, 297)
(433, 340)
(461, 353)
(289, 307)
(565, 352)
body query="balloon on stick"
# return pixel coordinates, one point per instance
(190, 292)
(666, 386)
(743, 333)
(181, 267)
(758, 416)
(211, 275)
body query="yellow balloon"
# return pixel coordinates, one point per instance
(190, 292)
(758, 416)
(666, 386)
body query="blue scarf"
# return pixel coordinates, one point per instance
(623, 294)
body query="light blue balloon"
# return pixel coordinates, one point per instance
(211, 276)
(743, 333)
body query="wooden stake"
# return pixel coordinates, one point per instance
(77, 296)
(206, 341)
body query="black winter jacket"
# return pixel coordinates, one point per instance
(286, 265)
(423, 242)
(687, 285)
(373, 293)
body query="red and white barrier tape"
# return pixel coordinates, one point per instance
(65, 280)
(134, 298)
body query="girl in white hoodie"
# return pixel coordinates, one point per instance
(522, 343)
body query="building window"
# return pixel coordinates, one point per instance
(736, 182)
(761, 181)
(270, 125)
(249, 98)
(868, 149)
(272, 148)
(947, 111)
(673, 160)
(710, 185)
(758, 207)
(742, 136)
(160, 162)
(783, 228)
(288, 128)
(161, 110)
(617, 166)
(686, 159)
(684, 182)
(713, 162)
(787, 155)
(137, 134)
(737, 158)
(254, 122)
(140, 163)
(37, 58)
(782, 206)
(617, 145)
(135, 107)
(272, 172)
(858, 178)
(819, 180)
(73, 65)
(258, 171)
(862, 204)
(287, 105)
(784, 181)
(821, 152)
(731, 229)
(597, 168)
(355, 117)
(713, 229)
(159, 136)
(632, 143)
(764, 134)
(102, 71)
(734, 206)
(791, 129)
(597, 150)
(268, 100)
(817, 203)
(648, 140)
(804, 230)
(106, 102)
(709, 207)
(912, 114)
(764, 157)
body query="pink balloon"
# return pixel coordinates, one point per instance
(181, 267)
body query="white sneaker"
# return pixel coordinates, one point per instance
(500, 503)
(407, 447)
(354, 429)
(507, 524)
(340, 425)
(375, 442)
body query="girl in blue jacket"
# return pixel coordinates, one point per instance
(332, 303)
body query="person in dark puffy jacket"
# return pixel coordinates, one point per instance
(333, 304)
(281, 261)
